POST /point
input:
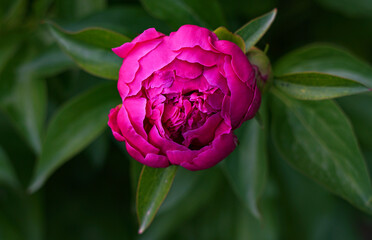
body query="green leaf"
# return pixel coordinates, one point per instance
(26, 103)
(358, 109)
(27, 107)
(72, 128)
(192, 191)
(128, 20)
(224, 34)
(325, 59)
(318, 140)
(317, 86)
(246, 167)
(350, 8)
(91, 49)
(7, 174)
(253, 31)
(153, 187)
(207, 13)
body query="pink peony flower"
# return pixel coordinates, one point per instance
(182, 97)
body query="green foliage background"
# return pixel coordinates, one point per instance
(52, 112)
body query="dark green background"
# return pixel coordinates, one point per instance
(92, 196)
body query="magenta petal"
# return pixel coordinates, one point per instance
(147, 35)
(198, 55)
(162, 143)
(136, 109)
(178, 157)
(151, 160)
(214, 78)
(131, 66)
(204, 134)
(241, 97)
(189, 70)
(255, 105)
(189, 36)
(239, 60)
(113, 124)
(220, 148)
(131, 136)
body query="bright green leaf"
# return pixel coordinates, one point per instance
(72, 128)
(253, 31)
(325, 59)
(224, 34)
(91, 49)
(317, 86)
(207, 13)
(318, 140)
(153, 187)
(246, 167)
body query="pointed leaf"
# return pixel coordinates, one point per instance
(317, 86)
(91, 49)
(325, 59)
(224, 34)
(72, 128)
(253, 31)
(153, 187)
(318, 140)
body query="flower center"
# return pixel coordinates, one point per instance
(183, 113)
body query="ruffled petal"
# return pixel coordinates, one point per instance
(203, 135)
(136, 109)
(113, 124)
(189, 36)
(241, 96)
(151, 160)
(210, 155)
(131, 136)
(147, 35)
(239, 60)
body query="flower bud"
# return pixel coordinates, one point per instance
(262, 66)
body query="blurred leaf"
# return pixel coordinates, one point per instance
(246, 167)
(9, 45)
(253, 31)
(153, 187)
(309, 210)
(40, 8)
(14, 12)
(7, 174)
(27, 108)
(358, 109)
(317, 86)
(75, 9)
(128, 20)
(207, 13)
(190, 193)
(325, 59)
(23, 213)
(351, 8)
(224, 34)
(50, 62)
(91, 49)
(26, 104)
(318, 140)
(72, 128)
